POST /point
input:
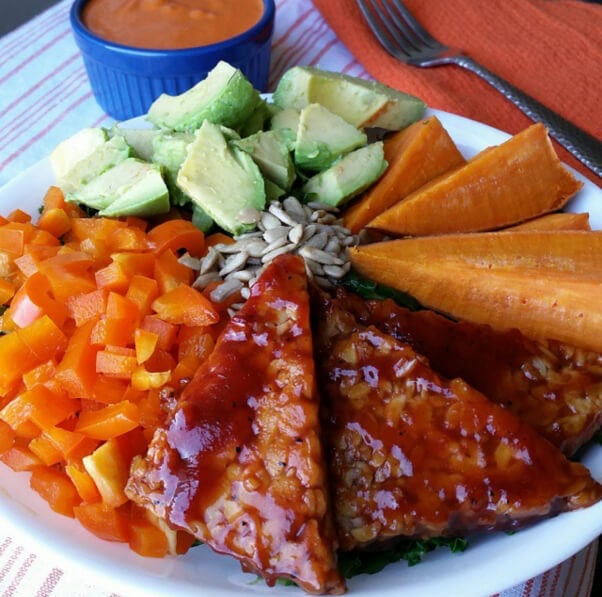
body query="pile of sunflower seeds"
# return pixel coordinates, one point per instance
(312, 230)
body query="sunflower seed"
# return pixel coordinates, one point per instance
(296, 234)
(223, 291)
(190, 261)
(226, 248)
(269, 221)
(205, 279)
(275, 244)
(314, 267)
(278, 212)
(309, 252)
(324, 282)
(279, 251)
(233, 263)
(275, 233)
(293, 206)
(318, 241)
(317, 205)
(333, 245)
(334, 271)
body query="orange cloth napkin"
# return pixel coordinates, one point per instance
(550, 49)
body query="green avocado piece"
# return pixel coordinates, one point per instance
(170, 151)
(140, 140)
(271, 152)
(103, 158)
(361, 103)
(256, 121)
(200, 218)
(286, 118)
(131, 188)
(272, 191)
(221, 179)
(323, 137)
(76, 148)
(347, 177)
(225, 97)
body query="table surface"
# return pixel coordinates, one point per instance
(21, 11)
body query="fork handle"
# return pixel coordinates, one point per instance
(586, 148)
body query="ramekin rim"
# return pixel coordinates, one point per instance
(80, 29)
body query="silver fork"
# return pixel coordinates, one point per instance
(405, 39)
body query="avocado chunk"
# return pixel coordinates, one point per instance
(76, 148)
(221, 179)
(348, 177)
(103, 158)
(272, 191)
(140, 140)
(200, 218)
(322, 137)
(170, 151)
(256, 122)
(225, 97)
(361, 103)
(131, 188)
(286, 118)
(271, 152)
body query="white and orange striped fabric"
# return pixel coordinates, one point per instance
(45, 97)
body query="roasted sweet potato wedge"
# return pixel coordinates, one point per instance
(557, 221)
(415, 155)
(414, 454)
(546, 284)
(504, 185)
(554, 387)
(239, 463)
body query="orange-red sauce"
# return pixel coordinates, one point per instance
(170, 24)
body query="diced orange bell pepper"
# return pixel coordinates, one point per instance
(147, 380)
(56, 221)
(185, 305)
(218, 238)
(18, 215)
(33, 254)
(14, 236)
(7, 290)
(83, 483)
(68, 274)
(33, 300)
(109, 421)
(160, 360)
(109, 390)
(56, 488)
(77, 370)
(170, 273)
(28, 347)
(177, 235)
(97, 228)
(186, 368)
(151, 412)
(128, 239)
(103, 521)
(120, 307)
(145, 343)
(40, 374)
(142, 291)
(20, 458)
(98, 249)
(167, 332)
(86, 306)
(45, 450)
(142, 264)
(146, 539)
(109, 465)
(116, 365)
(71, 444)
(7, 437)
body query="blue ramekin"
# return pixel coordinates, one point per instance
(125, 80)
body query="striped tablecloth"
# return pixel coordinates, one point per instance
(45, 97)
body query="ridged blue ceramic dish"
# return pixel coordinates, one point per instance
(125, 80)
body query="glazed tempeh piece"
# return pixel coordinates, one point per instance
(240, 462)
(414, 454)
(554, 387)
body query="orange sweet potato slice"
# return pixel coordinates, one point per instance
(557, 221)
(504, 185)
(546, 284)
(415, 454)
(415, 155)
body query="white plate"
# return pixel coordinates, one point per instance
(491, 564)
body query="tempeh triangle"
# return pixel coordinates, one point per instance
(554, 387)
(239, 464)
(414, 454)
